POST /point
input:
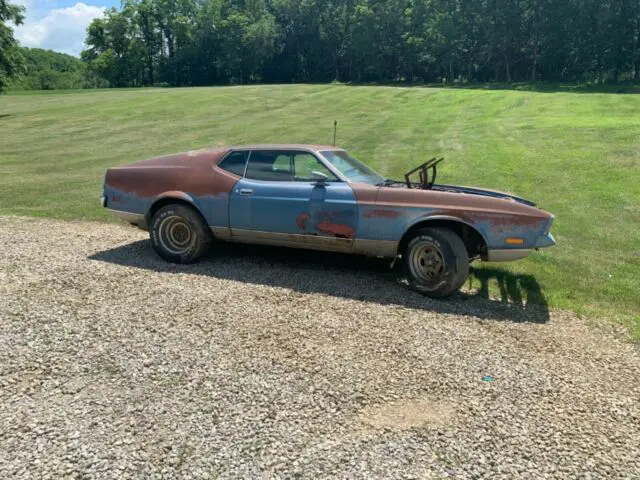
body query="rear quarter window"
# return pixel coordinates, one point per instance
(235, 162)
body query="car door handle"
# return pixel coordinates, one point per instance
(246, 191)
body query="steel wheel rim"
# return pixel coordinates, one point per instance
(175, 235)
(427, 263)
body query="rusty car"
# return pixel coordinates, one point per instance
(321, 197)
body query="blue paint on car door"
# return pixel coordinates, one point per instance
(268, 206)
(293, 208)
(333, 211)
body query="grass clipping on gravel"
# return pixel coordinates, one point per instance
(576, 154)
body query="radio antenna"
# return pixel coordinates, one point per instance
(335, 127)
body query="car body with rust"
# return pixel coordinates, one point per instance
(320, 197)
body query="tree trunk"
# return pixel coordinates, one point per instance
(169, 36)
(536, 42)
(635, 53)
(507, 67)
(147, 37)
(149, 67)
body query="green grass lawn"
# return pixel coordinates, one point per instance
(576, 154)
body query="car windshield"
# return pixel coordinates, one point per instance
(353, 169)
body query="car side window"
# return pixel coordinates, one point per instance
(306, 163)
(269, 166)
(283, 163)
(235, 162)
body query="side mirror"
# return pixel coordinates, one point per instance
(319, 177)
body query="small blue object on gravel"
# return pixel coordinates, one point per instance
(487, 378)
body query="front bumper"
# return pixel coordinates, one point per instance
(545, 241)
(513, 254)
(510, 255)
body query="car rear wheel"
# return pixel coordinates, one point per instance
(178, 234)
(436, 262)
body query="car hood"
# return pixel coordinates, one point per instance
(482, 192)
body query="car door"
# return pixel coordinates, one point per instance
(279, 201)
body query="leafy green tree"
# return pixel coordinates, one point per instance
(115, 51)
(48, 70)
(11, 61)
(247, 40)
(205, 42)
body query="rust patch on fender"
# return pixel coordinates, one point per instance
(382, 213)
(512, 220)
(322, 223)
(467, 217)
(337, 229)
(494, 218)
(477, 207)
(301, 221)
(364, 192)
(223, 181)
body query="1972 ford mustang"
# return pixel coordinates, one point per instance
(320, 197)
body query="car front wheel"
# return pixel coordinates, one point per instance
(436, 262)
(178, 234)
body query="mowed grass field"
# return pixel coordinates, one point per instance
(576, 154)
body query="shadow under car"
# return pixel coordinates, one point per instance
(520, 298)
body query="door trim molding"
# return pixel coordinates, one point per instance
(314, 242)
(221, 233)
(372, 248)
(376, 248)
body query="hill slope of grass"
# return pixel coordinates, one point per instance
(576, 154)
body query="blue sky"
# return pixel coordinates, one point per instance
(59, 24)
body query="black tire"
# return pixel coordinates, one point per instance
(178, 234)
(436, 262)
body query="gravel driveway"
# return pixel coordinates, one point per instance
(262, 363)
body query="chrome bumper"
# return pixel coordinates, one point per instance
(512, 255)
(546, 241)
(135, 218)
(506, 255)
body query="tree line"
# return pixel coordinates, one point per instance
(203, 42)
(207, 42)
(49, 70)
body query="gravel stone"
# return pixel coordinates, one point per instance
(272, 363)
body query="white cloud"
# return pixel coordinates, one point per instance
(61, 29)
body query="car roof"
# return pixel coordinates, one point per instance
(285, 146)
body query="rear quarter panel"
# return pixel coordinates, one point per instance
(196, 180)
